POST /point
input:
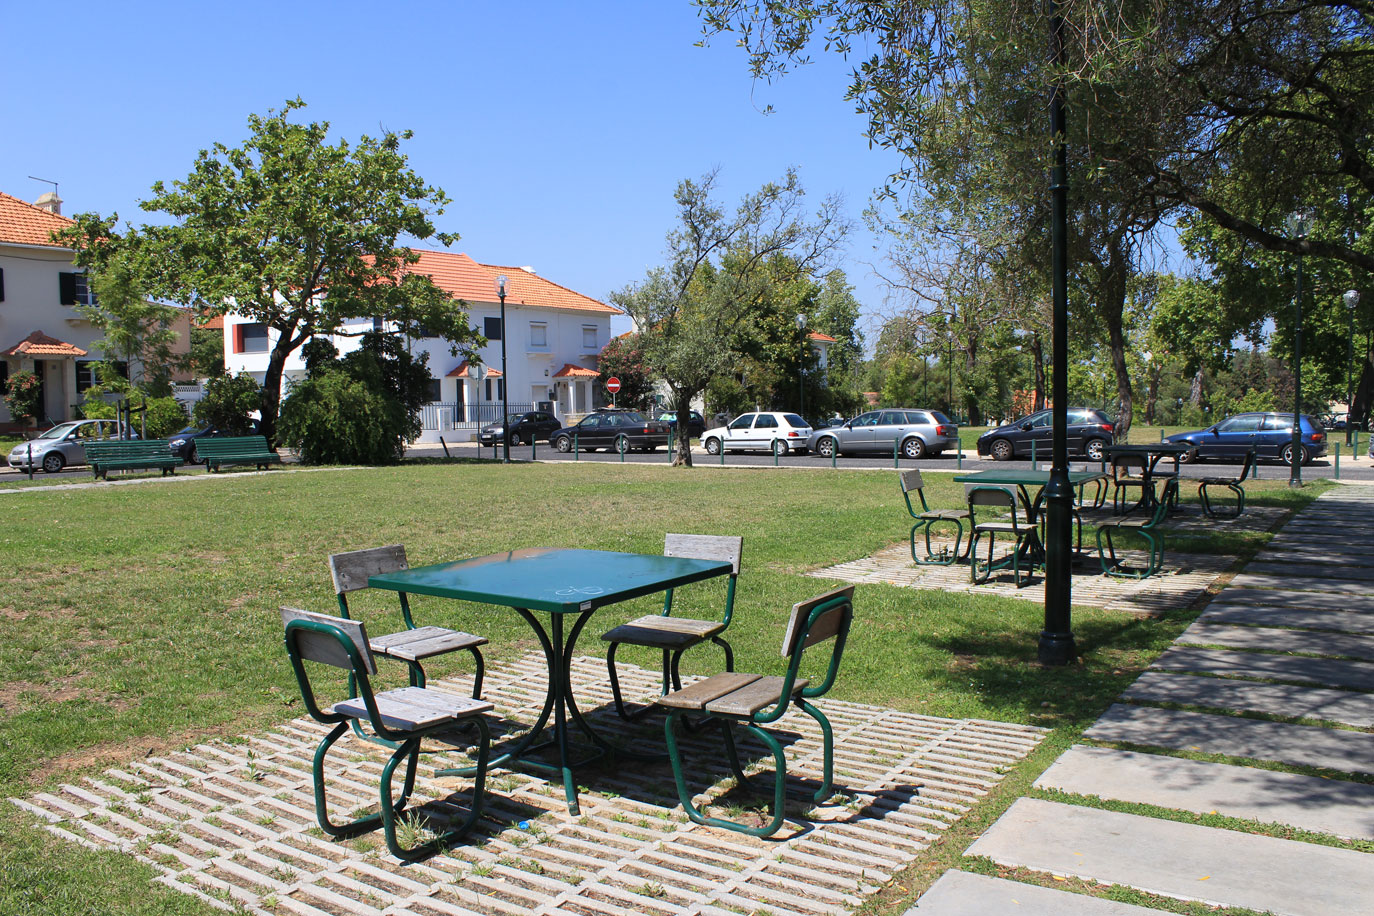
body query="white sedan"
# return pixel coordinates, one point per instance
(768, 431)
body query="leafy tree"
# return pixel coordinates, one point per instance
(623, 358)
(23, 396)
(227, 402)
(207, 352)
(292, 232)
(158, 419)
(710, 303)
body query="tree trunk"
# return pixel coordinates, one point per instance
(271, 388)
(1195, 393)
(1151, 393)
(1113, 302)
(1364, 388)
(682, 403)
(1038, 358)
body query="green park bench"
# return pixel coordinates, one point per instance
(219, 451)
(109, 455)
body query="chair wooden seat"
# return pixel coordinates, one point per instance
(1009, 521)
(675, 635)
(1234, 484)
(403, 718)
(750, 700)
(412, 708)
(423, 642)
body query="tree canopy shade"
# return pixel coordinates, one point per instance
(724, 291)
(293, 232)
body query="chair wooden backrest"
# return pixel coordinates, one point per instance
(351, 569)
(1122, 466)
(326, 639)
(706, 547)
(913, 483)
(811, 622)
(1247, 467)
(1002, 498)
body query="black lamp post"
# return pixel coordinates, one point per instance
(1056, 639)
(505, 387)
(801, 366)
(1352, 300)
(1299, 224)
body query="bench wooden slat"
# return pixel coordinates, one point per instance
(127, 454)
(224, 450)
(395, 645)
(749, 699)
(659, 632)
(696, 696)
(414, 708)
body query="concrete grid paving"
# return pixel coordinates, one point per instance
(233, 822)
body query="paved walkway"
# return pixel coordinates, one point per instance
(234, 823)
(1271, 686)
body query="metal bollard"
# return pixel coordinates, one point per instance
(29, 447)
(895, 446)
(834, 454)
(961, 456)
(670, 447)
(1338, 461)
(576, 453)
(722, 454)
(534, 447)
(1035, 462)
(1161, 435)
(622, 447)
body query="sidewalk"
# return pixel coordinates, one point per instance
(1267, 724)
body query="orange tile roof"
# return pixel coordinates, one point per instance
(466, 279)
(571, 371)
(816, 335)
(212, 324)
(40, 344)
(24, 224)
(463, 370)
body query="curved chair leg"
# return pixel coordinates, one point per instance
(932, 558)
(827, 749)
(411, 751)
(338, 831)
(685, 797)
(479, 672)
(620, 709)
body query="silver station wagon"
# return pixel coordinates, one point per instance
(917, 433)
(63, 445)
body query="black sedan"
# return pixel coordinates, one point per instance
(696, 424)
(619, 431)
(524, 427)
(1089, 433)
(183, 444)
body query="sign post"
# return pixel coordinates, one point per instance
(613, 385)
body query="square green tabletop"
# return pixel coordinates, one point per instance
(1024, 477)
(554, 579)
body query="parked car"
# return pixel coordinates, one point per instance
(766, 431)
(696, 424)
(63, 445)
(613, 429)
(524, 427)
(917, 432)
(183, 443)
(1270, 434)
(1090, 431)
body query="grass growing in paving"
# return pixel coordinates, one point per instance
(141, 619)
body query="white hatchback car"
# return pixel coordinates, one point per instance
(768, 431)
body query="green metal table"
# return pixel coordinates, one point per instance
(558, 582)
(1022, 479)
(1153, 453)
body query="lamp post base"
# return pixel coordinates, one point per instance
(1057, 648)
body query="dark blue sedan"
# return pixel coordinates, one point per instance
(1270, 434)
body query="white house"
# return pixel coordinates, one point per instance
(41, 330)
(553, 337)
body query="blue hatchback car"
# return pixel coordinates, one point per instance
(1269, 434)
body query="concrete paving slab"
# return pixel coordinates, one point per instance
(1300, 583)
(1336, 569)
(1297, 745)
(1279, 597)
(1219, 612)
(1187, 861)
(1273, 639)
(1354, 675)
(1342, 706)
(1344, 809)
(961, 893)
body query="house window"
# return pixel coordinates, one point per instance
(88, 373)
(589, 337)
(250, 338)
(434, 390)
(4, 375)
(491, 328)
(376, 325)
(539, 334)
(500, 389)
(73, 289)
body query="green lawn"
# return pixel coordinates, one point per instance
(144, 618)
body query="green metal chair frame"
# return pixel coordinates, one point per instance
(412, 645)
(675, 635)
(404, 717)
(1008, 523)
(1234, 484)
(750, 700)
(1145, 526)
(927, 518)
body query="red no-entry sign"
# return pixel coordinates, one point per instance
(613, 384)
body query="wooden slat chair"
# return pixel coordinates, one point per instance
(1002, 515)
(1128, 471)
(675, 635)
(927, 518)
(413, 644)
(404, 717)
(1234, 484)
(1147, 526)
(733, 698)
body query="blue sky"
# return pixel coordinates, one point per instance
(559, 129)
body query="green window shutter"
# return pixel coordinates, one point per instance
(66, 287)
